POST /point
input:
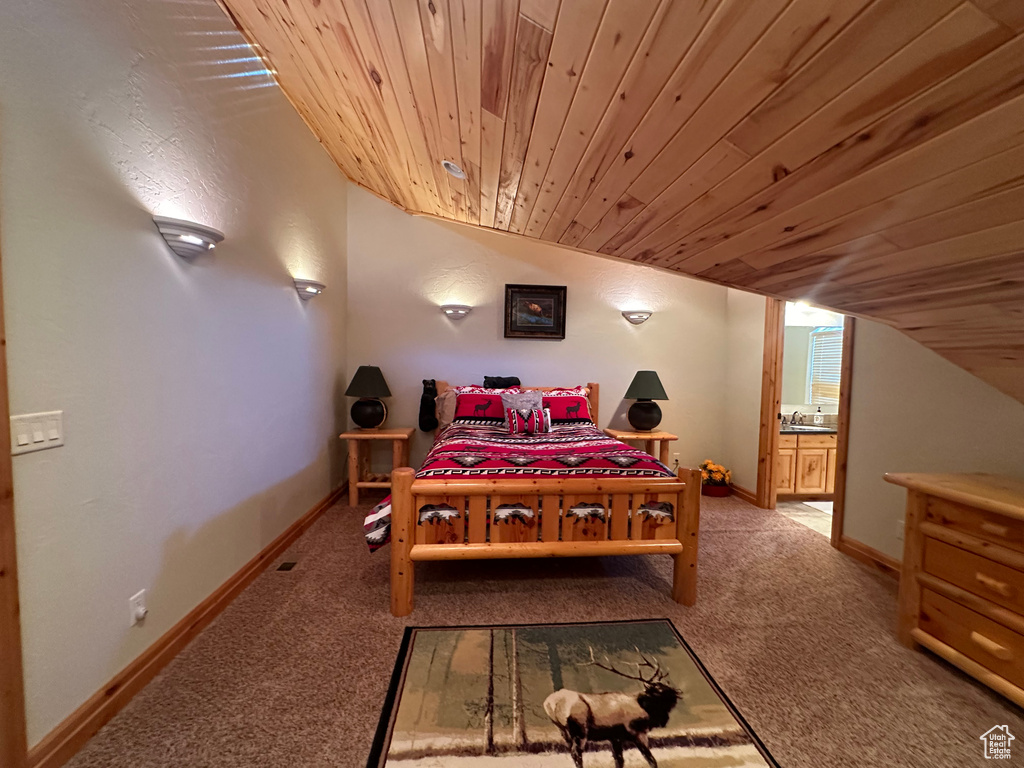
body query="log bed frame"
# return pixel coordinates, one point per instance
(474, 535)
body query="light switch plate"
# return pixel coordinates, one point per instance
(36, 431)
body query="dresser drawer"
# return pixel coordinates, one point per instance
(993, 581)
(992, 645)
(1005, 531)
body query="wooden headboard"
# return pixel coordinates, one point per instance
(592, 399)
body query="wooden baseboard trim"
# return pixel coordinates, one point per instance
(64, 741)
(890, 566)
(748, 496)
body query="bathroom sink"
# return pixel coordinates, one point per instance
(805, 428)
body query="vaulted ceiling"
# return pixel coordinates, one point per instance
(864, 155)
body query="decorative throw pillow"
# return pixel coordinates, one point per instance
(538, 421)
(445, 407)
(516, 421)
(479, 408)
(568, 409)
(562, 392)
(528, 422)
(470, 389)
(523, 400)
(501, 382)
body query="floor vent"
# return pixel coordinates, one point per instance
(286, 566)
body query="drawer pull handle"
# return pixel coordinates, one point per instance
(995, 529)
(992, 647)
(999, 587)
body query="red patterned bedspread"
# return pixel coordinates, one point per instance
(464, 450)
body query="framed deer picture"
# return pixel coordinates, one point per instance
(535, 311)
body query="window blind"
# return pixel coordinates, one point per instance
(826, 365)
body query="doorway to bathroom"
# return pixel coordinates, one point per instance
(805, 407)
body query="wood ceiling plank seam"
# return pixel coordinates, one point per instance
(434, 20)
(332, 103)
(984, 85)
(414, 52)
(966, 321)
(358, 123)
(793, 38)
(970, 185)
(575, 234)
(500, 22)
(533, 43)
(877, 34)
(379, 22)
(467, 52)
(992, 211)
(623, 26)
(346, 164)
(1010, 13)
(825, 130)
(859, 283)
(543, 13)
(998, 271)
(953, 252)
(801, 278)
(370, 61)
(733, 30)
(669, 36)
(492, 134)
(616, 232)
(922, 299)
(572, 40)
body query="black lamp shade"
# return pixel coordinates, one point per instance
(646, 386)
(368, 382)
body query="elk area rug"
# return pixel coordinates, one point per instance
(628, 693)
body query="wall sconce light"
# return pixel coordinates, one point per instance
(308, 288)
(186, 238)
(636, 316)
(456, 311)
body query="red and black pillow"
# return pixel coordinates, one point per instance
(479, 408)
(528, 422)
(568, 406)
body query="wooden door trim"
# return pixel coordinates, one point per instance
(843, 432)
(13, 738)
(771, 402)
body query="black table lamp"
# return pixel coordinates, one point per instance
(645, 414)
(369, 386)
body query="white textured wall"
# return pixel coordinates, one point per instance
(199, 399)
(744, 342)
(402, 268)
(913, 411)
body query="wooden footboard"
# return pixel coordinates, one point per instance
(473, 519)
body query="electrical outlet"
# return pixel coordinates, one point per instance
(675, 461)
(137, 607)
(901, 525)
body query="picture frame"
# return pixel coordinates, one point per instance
(535, 311)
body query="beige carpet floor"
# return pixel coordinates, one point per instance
(800, 637)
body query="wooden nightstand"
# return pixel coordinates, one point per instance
(649, 438)
(358, 460)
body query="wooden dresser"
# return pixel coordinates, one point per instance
(962, 578)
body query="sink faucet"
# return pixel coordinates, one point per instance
(793, 418)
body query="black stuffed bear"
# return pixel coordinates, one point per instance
(428, 418)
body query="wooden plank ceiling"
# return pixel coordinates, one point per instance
(863, 155)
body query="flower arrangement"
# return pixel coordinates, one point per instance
(714, 474)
